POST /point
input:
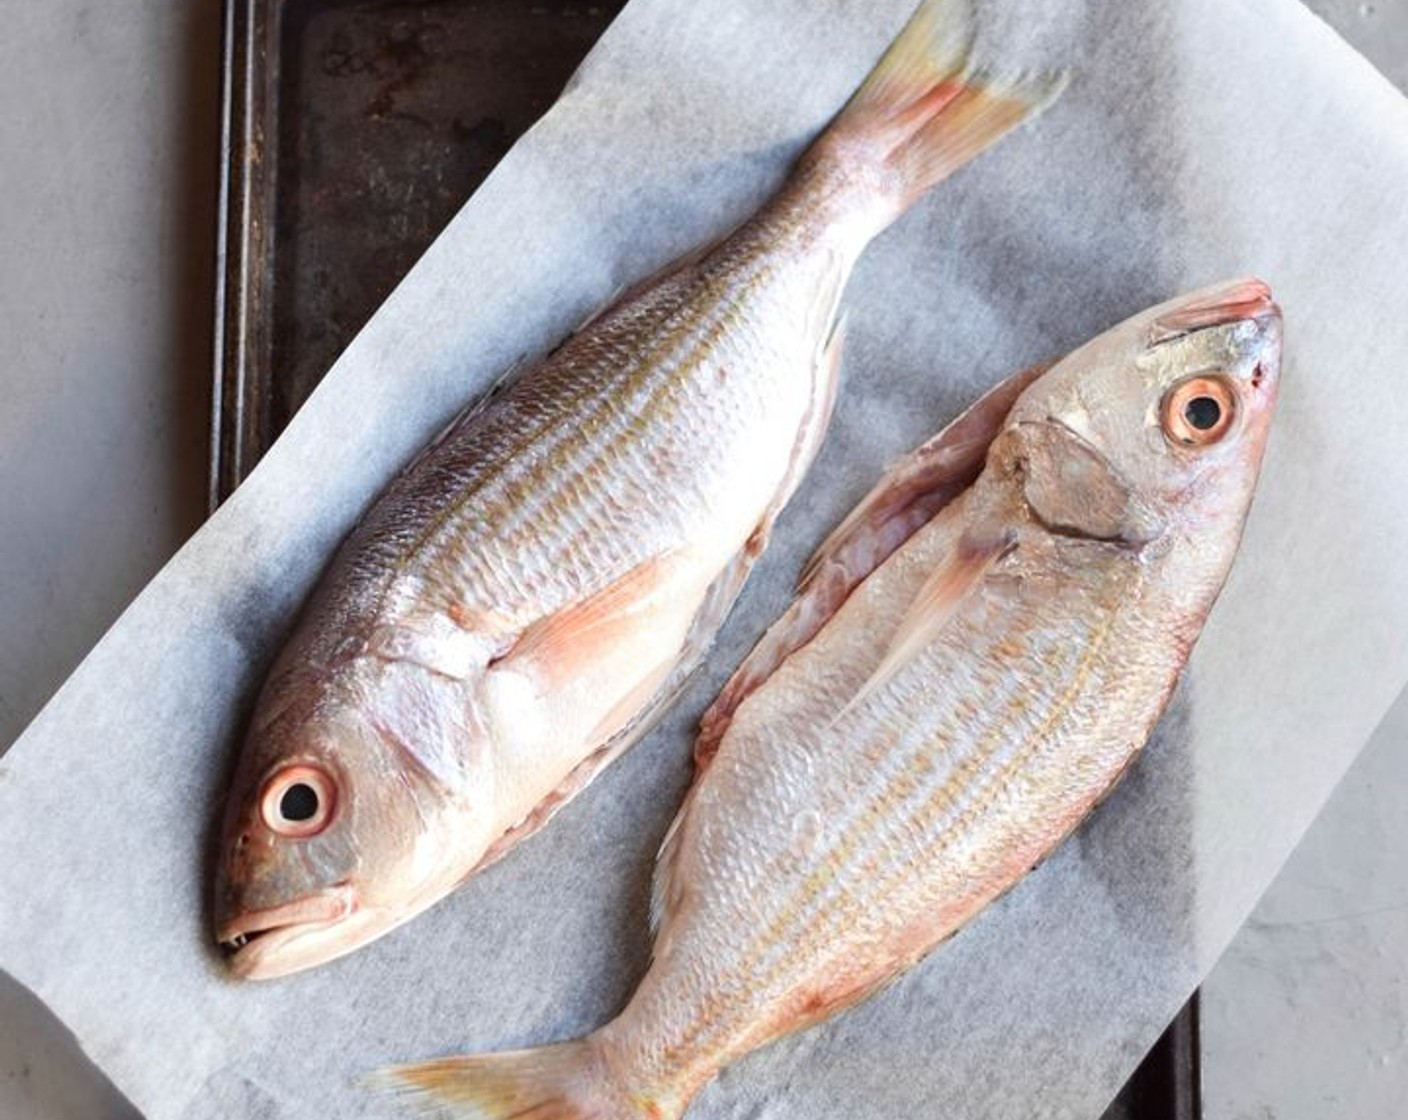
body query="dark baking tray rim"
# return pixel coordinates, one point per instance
(243, 275)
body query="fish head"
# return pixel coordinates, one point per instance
(1156, 427)
(331, 837)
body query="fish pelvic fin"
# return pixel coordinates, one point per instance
(564, 1081)
(926, 109)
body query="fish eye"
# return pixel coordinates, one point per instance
(298, 801)
(1199, 412)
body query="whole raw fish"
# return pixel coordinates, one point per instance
(977, 655)
(530, 591)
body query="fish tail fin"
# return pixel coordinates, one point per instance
(926, 110)
(564, 1081)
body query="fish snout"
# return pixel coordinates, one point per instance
(1249, 320)
(1243, 323)
(1259, 335)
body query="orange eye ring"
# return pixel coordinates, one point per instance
(298, 801)
(1199, 412)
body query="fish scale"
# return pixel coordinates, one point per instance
(829, 913)
(943, 704)
(532, 591)
(623, 450)
(591, 446)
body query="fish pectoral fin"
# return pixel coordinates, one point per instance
(480, 404)
(933, 608)
(557, 646)
(638, 711)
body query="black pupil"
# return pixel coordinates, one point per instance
(1203, 413)
(299, 802)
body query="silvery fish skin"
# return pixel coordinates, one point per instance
(519, 603)
(975, 658)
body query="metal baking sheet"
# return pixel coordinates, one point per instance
(353, 132)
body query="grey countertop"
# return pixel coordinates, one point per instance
(107, 207)
(107, 159)
(1306, 1015)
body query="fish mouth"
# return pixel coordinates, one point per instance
(263, 944)
(1235, 302)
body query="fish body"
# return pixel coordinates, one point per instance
(975, 658)
(518, 604)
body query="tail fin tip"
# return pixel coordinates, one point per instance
(932, 48)
(932, 109)
(547, 1083)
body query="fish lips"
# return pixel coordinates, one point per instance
(264, 944)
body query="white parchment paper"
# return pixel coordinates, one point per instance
(1198, 140)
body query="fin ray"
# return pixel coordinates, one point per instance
(556, 644)
(925, 110)
(564, 1081)
(934, 607)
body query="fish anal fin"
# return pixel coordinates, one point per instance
(840, 993)
(667, 884)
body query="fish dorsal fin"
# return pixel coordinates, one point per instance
(625, 293)
(498, 388)
(936, 603)
(906, 498)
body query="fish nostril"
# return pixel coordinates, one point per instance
(1258, 376)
